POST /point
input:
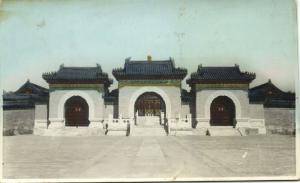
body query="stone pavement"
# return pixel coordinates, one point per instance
(148, 157)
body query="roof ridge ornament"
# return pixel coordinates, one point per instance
(199, 67)
(149, 58)
(171, 59)
(61, 66)
(127, 59)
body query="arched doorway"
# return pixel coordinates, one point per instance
(149, 104)
(148, 108)
(76, 112)
(222, 112)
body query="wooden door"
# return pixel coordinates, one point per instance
(222, 112)
(149, 104)
(76, 112)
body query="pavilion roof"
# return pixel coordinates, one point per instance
(139, 70)
(25, 97)
(220, 75)
(78, 75)
(271, 96)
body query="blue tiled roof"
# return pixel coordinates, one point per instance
(147, 68)
(33, 88)
(220, 74)
(271, 96)
(163, 69)
(25, 97)
(77, 74)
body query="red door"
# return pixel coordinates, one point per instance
(76, 112)
(149, 104)
(222, 112)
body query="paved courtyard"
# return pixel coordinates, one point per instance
(148, 157)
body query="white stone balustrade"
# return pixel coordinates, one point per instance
(116, 124)
(179, 123)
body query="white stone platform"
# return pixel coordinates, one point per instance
(223, 131)
(70, 131)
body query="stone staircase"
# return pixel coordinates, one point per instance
(148, 126)
(223, 131)
(148, 131)
(199, 131)
(148, 121)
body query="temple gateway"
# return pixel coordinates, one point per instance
(149, 100)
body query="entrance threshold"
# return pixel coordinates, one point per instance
(223, 131)
(226, 127)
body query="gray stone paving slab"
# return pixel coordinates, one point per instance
(148, 157)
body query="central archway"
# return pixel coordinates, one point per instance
(144, 89)
(222, 112)
(149, 104)
(149, 110)
(76, 112)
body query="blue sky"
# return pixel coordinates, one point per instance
(38, 36)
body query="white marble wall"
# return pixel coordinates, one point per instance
(57, 101)
(108, 110)
(205, 97)
(247, 115)
(41, 118)
(185, 110)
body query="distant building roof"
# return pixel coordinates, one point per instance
(220, 75)
(32, 88)
(139, 70)
(25, 97)
(78, 75)
(111, 96)
(271, 96)
(186, 96)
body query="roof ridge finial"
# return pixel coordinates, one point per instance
(149, 58)
(98, 65)
(236, 65)
(200, 66)
(269, 81)
(127, 59)
(28, 80)
(61, 66)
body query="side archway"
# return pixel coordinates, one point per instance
(228, 94)
(66, 96)
(143, 90)
(76, 112)
(222, 112)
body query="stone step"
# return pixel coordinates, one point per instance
(148, 121)
(223, 131)
(139, 131)
(200, 131)
(181, 132)
(73, 131)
